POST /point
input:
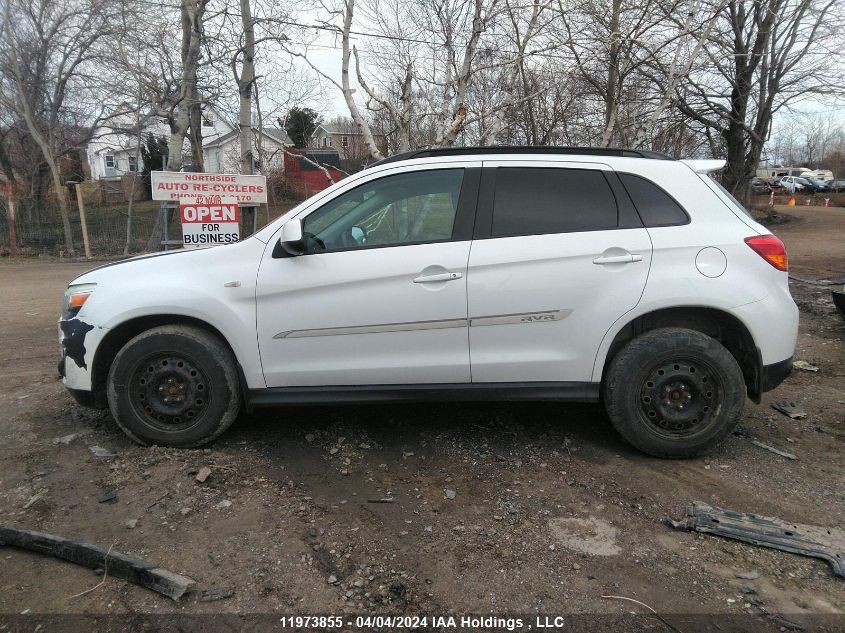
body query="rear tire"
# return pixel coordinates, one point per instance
(674, 392)
(174, 385)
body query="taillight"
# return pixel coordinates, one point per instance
(769, 248)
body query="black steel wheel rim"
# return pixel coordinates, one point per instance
(169, 392)
(680, 397)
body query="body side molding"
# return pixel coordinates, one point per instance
(499, 319)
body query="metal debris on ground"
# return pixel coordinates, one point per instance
(109, 497)
(214, 594)
(802, 364)
(119, 565)
(806, 540)
(382, 500)
(774, 450)
(99, 451)
(790, 409)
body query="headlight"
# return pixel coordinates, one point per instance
(75, 298)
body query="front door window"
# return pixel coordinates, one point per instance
(409, 208)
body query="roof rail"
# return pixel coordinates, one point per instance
(523, 149)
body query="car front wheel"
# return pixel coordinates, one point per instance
(674, 392)
(174, 385)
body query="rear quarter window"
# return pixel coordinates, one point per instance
(655, 206)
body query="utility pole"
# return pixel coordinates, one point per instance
(82, 220)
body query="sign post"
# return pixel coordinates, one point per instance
(209, 204)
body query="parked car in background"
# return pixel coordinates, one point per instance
(837, 185)
(818, 186)
(793, 184)
(760, 187)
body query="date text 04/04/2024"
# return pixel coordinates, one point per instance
(416, 622)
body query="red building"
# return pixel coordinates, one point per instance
(302, 173)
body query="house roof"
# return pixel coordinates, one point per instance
(276, 134)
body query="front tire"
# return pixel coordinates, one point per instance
(674, 392)
(174, 385)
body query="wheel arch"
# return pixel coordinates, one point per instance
(121, 334)
(719, 324)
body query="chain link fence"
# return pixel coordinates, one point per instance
(40, 230)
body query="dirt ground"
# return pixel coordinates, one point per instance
(551, 510)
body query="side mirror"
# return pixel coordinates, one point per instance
(292, 240)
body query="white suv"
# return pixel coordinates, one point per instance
(565, 274)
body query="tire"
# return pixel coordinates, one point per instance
(674, 392)
(174, 385)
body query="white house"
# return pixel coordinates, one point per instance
(111, 152)
(222, 155)
(344, 136)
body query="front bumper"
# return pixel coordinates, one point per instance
(78, 341)
(772, 375)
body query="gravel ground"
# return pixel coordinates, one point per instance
(493, 509)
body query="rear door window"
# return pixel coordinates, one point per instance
(540, 200)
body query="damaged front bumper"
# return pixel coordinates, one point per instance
(78, 341)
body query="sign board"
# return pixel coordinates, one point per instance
(206, 224)
(200, 188)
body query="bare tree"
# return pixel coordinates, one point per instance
(47, 46)
(758, 65)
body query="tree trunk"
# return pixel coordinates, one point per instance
(611, 108)
(246, 80)
(195, 132)
(348, 92)
(192, 13)
(245, 83)
(58, 185)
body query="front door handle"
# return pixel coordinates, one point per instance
(628, 258)
(424, 279)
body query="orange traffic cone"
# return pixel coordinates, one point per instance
(791, 202)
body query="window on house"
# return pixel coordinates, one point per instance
(109, 161)
(133, 163)
(325, 141)
(206, 121)
(344, 141)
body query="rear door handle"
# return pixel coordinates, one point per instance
(424, 279)
(619, 259)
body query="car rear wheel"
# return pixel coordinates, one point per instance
(174, 385)
(674, 392)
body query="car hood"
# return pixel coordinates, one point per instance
(87, 276)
